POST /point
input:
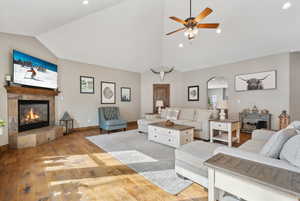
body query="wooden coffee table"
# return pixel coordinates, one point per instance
(173, 136)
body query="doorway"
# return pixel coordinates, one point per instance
(161, 92)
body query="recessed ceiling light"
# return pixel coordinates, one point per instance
(180, 45)
(219, 31)
(287, 5)
(85, 2)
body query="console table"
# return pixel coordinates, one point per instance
(250, 180)
(254, 120)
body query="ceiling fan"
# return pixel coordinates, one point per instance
(191, 24)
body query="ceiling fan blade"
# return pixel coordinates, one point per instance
(203, 14)
(175, 31)
(208, 26)
(178, 20)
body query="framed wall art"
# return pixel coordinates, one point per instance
(193, 93)
(125, 94)
(256, 81)
(108, 92)
(87, 85)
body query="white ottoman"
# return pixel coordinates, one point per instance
(189, 161)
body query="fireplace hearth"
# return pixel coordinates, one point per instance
(32, 114)
(31, 117)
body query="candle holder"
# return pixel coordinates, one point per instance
(8, 79)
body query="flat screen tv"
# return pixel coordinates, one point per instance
(31, 71)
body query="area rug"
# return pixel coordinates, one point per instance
(152, 160)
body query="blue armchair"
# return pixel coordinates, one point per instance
(109, 119)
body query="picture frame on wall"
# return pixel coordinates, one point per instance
(108, 92)
(87, 85)
(125, 94)
(193, 93)
(256, 81)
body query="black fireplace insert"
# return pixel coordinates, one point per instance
(33, 114)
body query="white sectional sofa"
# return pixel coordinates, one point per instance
(190, 157)
(198, 118)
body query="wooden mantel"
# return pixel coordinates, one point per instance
(32, 91)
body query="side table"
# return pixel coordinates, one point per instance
(226, 126)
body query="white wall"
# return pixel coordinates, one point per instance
(84, 107)
(125, 36)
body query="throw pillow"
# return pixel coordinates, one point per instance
(291, 151)
(202, 115)
(295, 125)
(187, 114)
(274, 145)
(172, 114)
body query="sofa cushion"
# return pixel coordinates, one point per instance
(274, 145)
(295, 125)
(163, 114)
(253, 146)
(115, 122)
(149, 121)
(196, 153)
(201, 115)
(291, 151)
(172, 114)
(195, 124)
(187, 114)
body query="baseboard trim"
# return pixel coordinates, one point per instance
(80, 129)
(85, 128)
(3, 148)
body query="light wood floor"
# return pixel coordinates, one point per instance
(73, 169)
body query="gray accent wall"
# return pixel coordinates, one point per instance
(28, 45)
(273, 100)
(295, 85)
(83, 107)
(175, 80)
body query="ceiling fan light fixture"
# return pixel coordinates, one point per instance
(191, 33)
(219, 31)
(286, 5)
(85, 2)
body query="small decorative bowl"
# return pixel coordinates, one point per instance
(169, 123)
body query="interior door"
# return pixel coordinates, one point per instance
(161, 92)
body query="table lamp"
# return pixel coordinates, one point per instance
(222, 105)
(159, 104)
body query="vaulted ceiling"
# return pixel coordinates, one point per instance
(129, 34)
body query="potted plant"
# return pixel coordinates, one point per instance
(2, 124)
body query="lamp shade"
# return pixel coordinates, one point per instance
(223, 104)
(159, 103)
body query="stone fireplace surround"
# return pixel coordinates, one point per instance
(32, 137)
